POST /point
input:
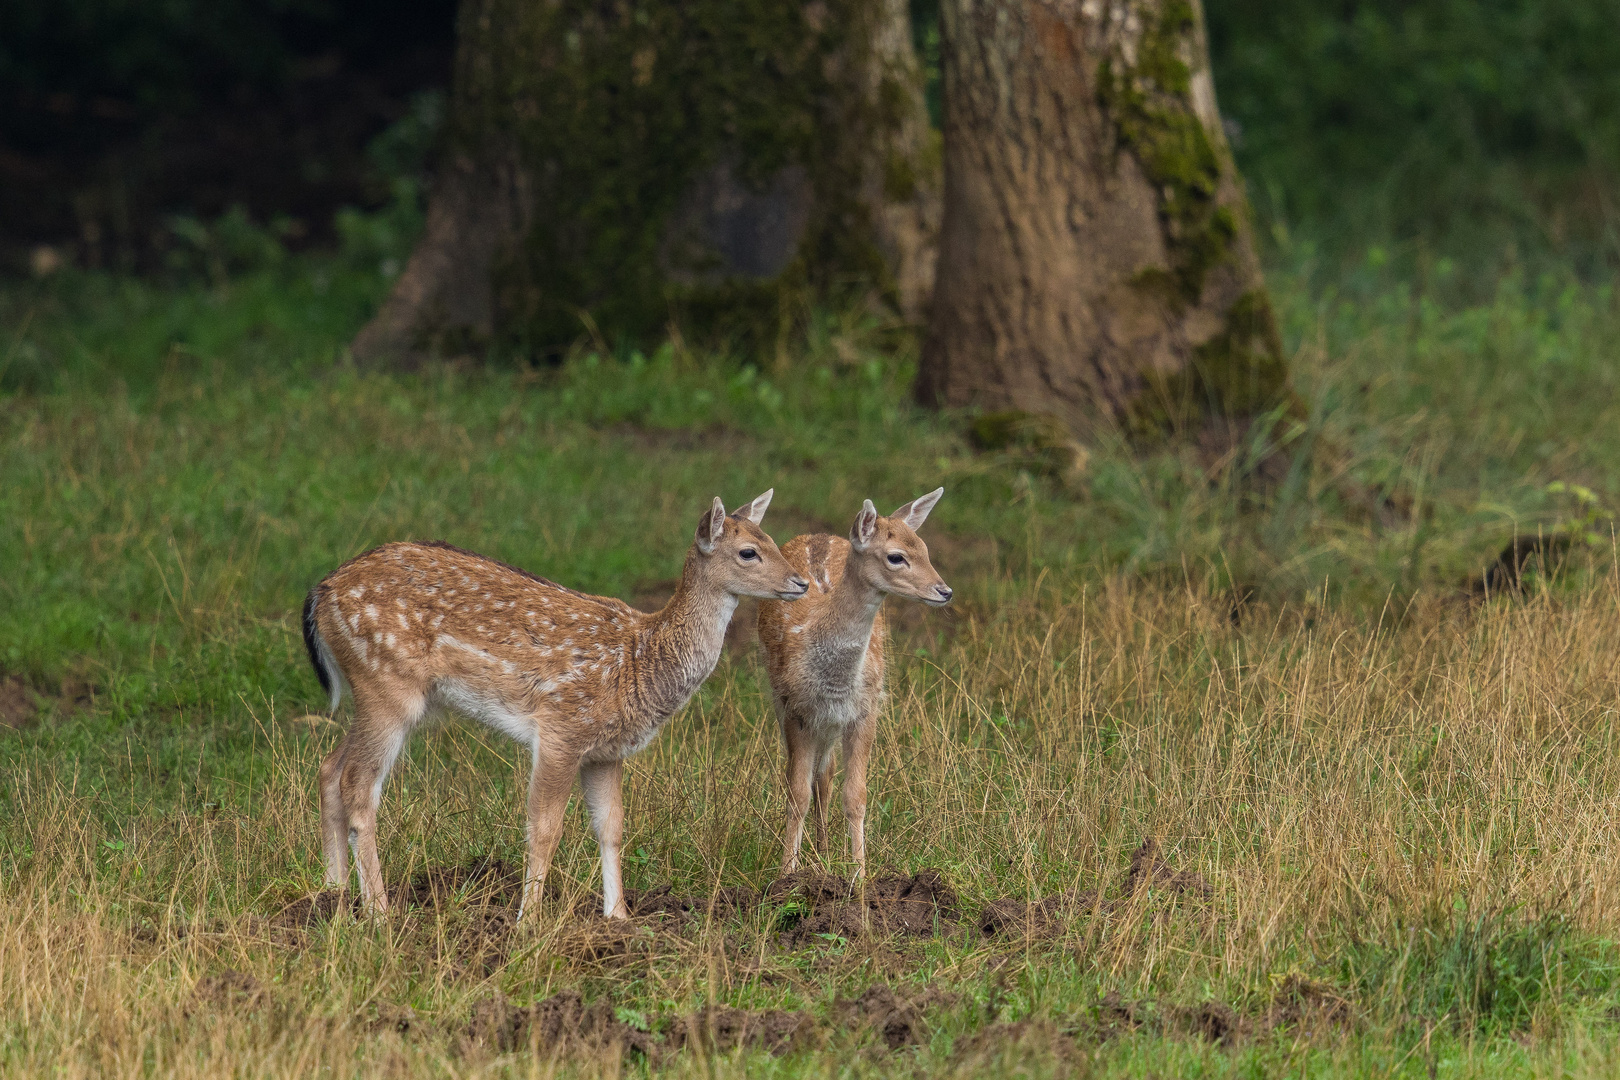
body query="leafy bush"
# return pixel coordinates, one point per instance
(1448, 123)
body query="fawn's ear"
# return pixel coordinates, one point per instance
(915, 512)
(864, 530)
(710, 525)
(755, 511)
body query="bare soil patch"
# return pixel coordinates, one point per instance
(1149, 871)
(22, 705)
(721, 1028)
(561, 1025)
(897, 1020)
(486, 881)
(228, 991)
(918, 905)
(662, 900)
(306, 912)
(1031, 1037)
(399, 1019)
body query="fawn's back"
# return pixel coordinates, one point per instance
(413, 625)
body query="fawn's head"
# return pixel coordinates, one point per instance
(891, 557)
(737, 555)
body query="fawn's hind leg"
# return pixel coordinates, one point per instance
(370, 749)
(822, 792)
(334, 819)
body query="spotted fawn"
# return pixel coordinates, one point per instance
(583, 681)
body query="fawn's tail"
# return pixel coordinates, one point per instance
(320, 657)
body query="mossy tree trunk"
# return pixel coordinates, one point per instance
(614, 166)
(1096, 258)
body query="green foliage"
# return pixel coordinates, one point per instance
(1490, 972)
(1449, 126)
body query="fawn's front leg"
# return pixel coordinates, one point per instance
(550, 782)
(858, 738)
(801, 760)
(603, 784)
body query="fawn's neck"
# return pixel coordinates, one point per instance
(843, 628)
(680, 647)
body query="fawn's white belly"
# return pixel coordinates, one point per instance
(457, 696)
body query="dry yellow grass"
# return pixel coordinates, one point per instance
(1412, 817)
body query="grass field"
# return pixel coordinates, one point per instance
(1382, 809)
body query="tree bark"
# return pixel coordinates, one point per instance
(615, 166)
(1096, 260)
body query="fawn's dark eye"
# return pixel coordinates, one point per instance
(748, 554)
(896, 559)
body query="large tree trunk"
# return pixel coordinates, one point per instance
(615, 166)
(1096, 259)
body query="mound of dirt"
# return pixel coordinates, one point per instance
(918, 905)
(721, 1028)
(560, 1026)
(1030, 1037)
(1149, 870)
(1213, 1021)
(400, 1019)
(21, 704)
(1022, 918)
(899, 1020)
(722, 904)
(1309, 1006)
(595, 938)
(305, 912)
(228, 991)
(486, 881)
(914, 906)
(1012, 917)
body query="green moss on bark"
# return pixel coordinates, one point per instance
(1150, 105)
(612, 111)
(1240, 371)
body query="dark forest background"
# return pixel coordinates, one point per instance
(1431, 132)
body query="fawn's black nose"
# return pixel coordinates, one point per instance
(944, 592)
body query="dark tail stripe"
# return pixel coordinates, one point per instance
(309, 642)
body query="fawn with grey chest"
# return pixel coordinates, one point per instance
(825, 656)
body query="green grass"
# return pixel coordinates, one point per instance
(1399, 797)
